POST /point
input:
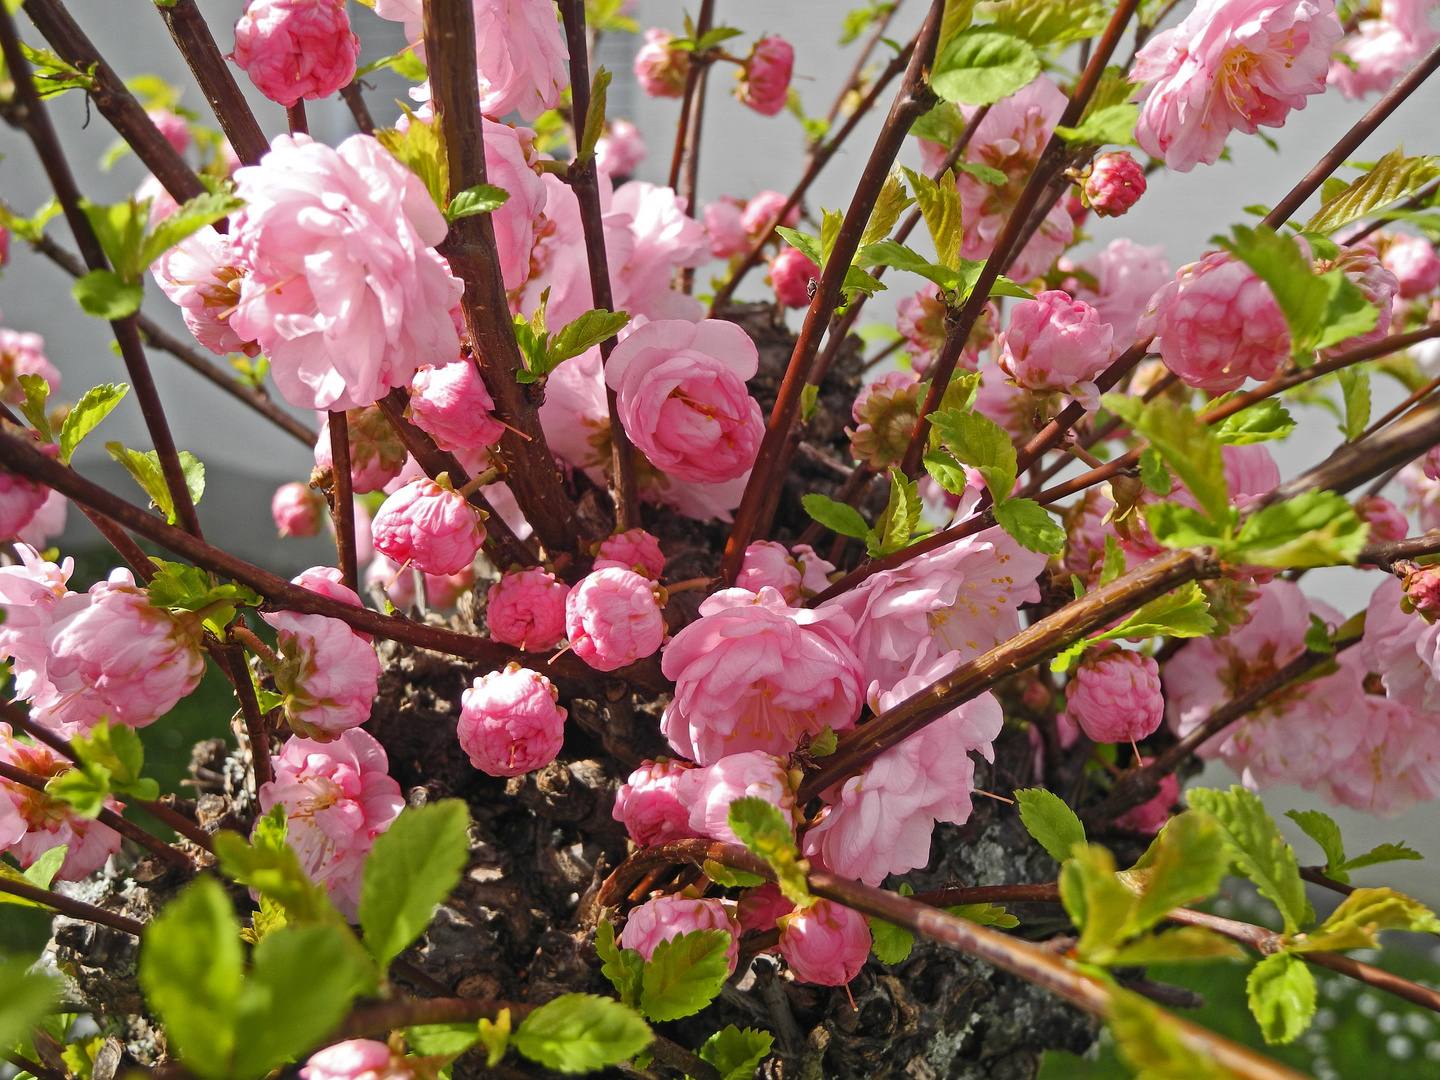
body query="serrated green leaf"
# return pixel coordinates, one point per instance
(1153, 473)
(891, 944)
(809, 246)
(808, 396)
(1188, 864)
(581, 1033)
(104, 294)
(480, 199)
(980, 66)
(621, 966)
(1114, 124)
(729, 877)
(583, 333)
(1051, 22)
(1317, 636)
(270, 866)
(144, 466)
(1257, 849)
(32, 228)
(1030, 525)
(1188, 447)
(442, 1040)
(1315, 528)
(891, 203)
(94, 405)
(960, 393)
(1114, 562)
(1363, 914)
(1321, 828)
(192, 216)
(899, 257)
(1265, 420)
(939, 202)
(985, 915)
(1148, 1040)
(902, 513)
(836, 516)
(421, 148)
(120, 228)
(1281, 992)
(178, 587)
(737, 1052)
(976, 440)
(1095, 900)
(1176, 946)
(1183, 613)
(1355, 390)
(1175, 525)
(1050, 821)
(595, 115)
(1384, 853)
(945, 471)
(943, 125)
(684, 974)
(84, 788)
(762, 828)
(986, 174)
(119, 751)
(1393, 177)
(404, 63)
(412, 868)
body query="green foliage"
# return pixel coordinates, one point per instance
(39, 874)
(1112, 124)
(1050, 821)
(1149, 1041)
(53, 76)
(1030, 525)
(30, 229)
(181, 587)
(1355, 390)
(25, 1000)
(890, 943)
(581, 1033)
(270, 866)
(1153, 473)
(684, 974)
(543, 352)
(94, 405)
(603, 15)
(421, 147)
(902, 514)
(1265, 420)
(1363, 914)
(480, 199)
(978, 441)
(945, 471)
(1393, 177)
(1187, 865)
(1114, 562)
(731, 878)
(1051, 22)
(1282, 996)
(106, 295)
(594, 116)
(404, 63)
(940, 207)
(1190, 449)
(891, 203)
(37, 399)
(1183, 613)
(623, 967)
(836, 516)
(736, 1052)
(1257, 849)
(413, 866)
(958, 280)
(981, 65)
(762, 828)
(144, 466)
(1315, 528)
(110, 760)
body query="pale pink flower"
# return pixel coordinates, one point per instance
(1150, 816)
(755, 674)
(1217, 324)
(1375, 282)
(708, 792)
(1384, 518)
(683, 399)
(23, 353)
(634, 549)
(791, 274)
(1230, 65)
(1055, 344)
(1115, 183)
(510, 722)
(880, 821)
(450, 403)
(648, 803)
(620, 150)
(32, 822)
(920, 319)
(526, 608)
(345, 292)
(294, 49)
(1010, 406)
(667, 917)
(762, 214)
(885, 414)
(759, 908)
(1378, 51)
(765, 75)
(1413, 261)
(1114, 695)
(1396, 764)
(113, 654)
(825, 944)
(357, 1059)
(28, 594)
(510, 159)
(1430, 463)
(612, 618)
(338, 797)
(376, 453)
(727, 235)
(1401, 648)
(173, 126)
(328, 581)
(796, 577)
(21, 500)
(661, 70)
(429, 527)
(201, 274)
(47, 522)
(1126, 275)
(298, 510)
(1422, 592)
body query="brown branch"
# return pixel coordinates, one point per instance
(1317, 875)
(1356, 462)
(295, 117)
(227, 101)
(255, 730)
(75, 909)
(1421, 392)
(687, 100)
(912, 100)
(470, 248)
(1385, 553)
(355, 100)
(342, 500)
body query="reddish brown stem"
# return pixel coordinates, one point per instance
(192, 36)
(75, 909)
(1423, 392)
(360, 112)
(295, 117)
(255, 729)
(342, 500)
(688, 98)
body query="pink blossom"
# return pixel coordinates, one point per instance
(510, 159)
(337, 798)
(791, 274)
(683, 400)
(20, 501)
(708, 792)
(880, 821)
(328, 581)
(526, 608)
(429, 526)
(920, 319)
(1115, 183)
(634, 549)
(201, 274)
(294, 49)
(762, 214)
(450, 404)
(760, 907)
(1422, 592)
(885, 414)
(1413, 261)
(620, 150)
(826, 944)
(727, 234)
(1377, 284)
(345, 292)
(1150, 816)
(357, 1059)
(661, 70)
(510, 722)
(1055, 344)
(28, 594)
(668, 917)
(1230, 64)
(47, 522)
(1378, 51)
(23, 354)
(1126, 275)
(1402, 649)
(797, 576)
(404, 590)
(1396, 764)
(1217, 324)
(32, 822)
(1384, 518)
(173, 126)
(765, 75)
(755, 674)
(612, 618)
(297, 510)
(1430, 463)
(1010, 406)
(648, 803)
(1114, 695)
(376, 453)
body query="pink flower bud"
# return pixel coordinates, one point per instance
(1430, 463)
(791, 274)
(173, 126)
(761, 907)
(32, 822)
(23, 354)
(727, 232)
(683, 399)
(1376, 283)
(1054, 343)
(298, 510)
(620, 150)
(526, 608)
(357, 1059)
(612, 618)
(376, 453)
(328, 674)
(1115, 184)
(885, 414)
(634, 549)
(667, 917)
(1386, 520)
(1150, 817)
(765, 75)
(1414, 263)
(510, 722)
(762, 214)
(1115, 696)
(825, 944)
(328, 581)
(1422, 592)
(428, 526)
(708, 792)
(20, 500)
(661, 70)
(1217, 324)
(768, 563)
(294, 49)
(451, 404)
(648, 803)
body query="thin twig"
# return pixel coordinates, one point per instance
(1423, 392)
(687, 100)
(75, 909)
(255, 729)
(192, 36)
(359, 111)
(342, 500)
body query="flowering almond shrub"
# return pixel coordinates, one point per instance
(686, 697)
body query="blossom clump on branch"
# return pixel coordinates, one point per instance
(296, 49)
(526, 608)
(648, 804)
(429, 526)
(32, 822)
(1114, 695)
(613, 618)
(667, 917)
(765, 75)
(451, 405)
(826, 943)
(510, 722)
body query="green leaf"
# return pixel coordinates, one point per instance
(809, 394)
(1315, 528)
(594, 115)
(858, 281)
(421, 147)
(890, 943)
(899, 257)
(985, 914)
(1265, 420)
(1052, 22)
(1257, 849)
(902, 513)
(180, 587)
(584, 332)
(836, 516)
(53, 76)
(84, 788)
(32, 228)
(980, 66)
(684, 974)
(762, 828)
(623, 967)
(37, 399)
(960, 393)
(1188, 447)
(942, 124)
(144, 466)
(891, 203)
(1363, 914)
(1153, 473)
(1281, 991)
(1114, 563)
(93, 407)
(480, 199)
(986, 174)
(1149, 1040)
(1321, 828)
(1384, 853)
(810, 246)
(404, 63)
(40, 873)
(26, 998)
(496, 1037)
(104, 294)
(945, 471)
(271, 867)
(1188, 865)
(940, 206)
(969, 277)
(976, 440)
(736, 1052)
(1184, 613)
(1030, 525)
(1176, 946)
(413, 867)
(191, 972)
(1393, 177)
(1049, 820)
(825, 743)
(120, 228)
(830, 222)
(1112, 124)
(1096, 901)
(442, 1040)
(1176, 525)
(1355, 388)
(728, 876)
(192, 216)
(119, 751)
(581, 1033)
